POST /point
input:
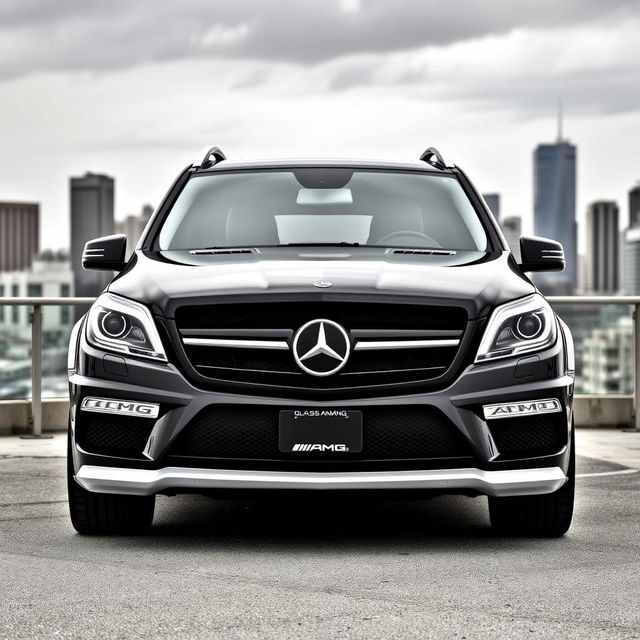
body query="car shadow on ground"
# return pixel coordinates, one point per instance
(311, 523)
(332, 521)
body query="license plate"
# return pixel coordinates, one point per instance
(320, 431)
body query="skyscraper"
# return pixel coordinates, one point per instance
(554, 186)
(631, 265)
(133, 226)
(493, 202)
(91, 217)
(603, 248)
(634, 207)
(512, 230)
(19, 235)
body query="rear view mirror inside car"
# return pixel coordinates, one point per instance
(324, 196)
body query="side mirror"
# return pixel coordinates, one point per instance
(541, 254)
(105, 254)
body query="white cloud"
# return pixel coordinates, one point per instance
(223, 35)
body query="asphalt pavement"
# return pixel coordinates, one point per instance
(319, 569)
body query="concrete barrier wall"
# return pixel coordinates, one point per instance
(15, 415)
(604, 411)
(590, 411)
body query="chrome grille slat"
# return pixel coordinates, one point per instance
(416, 334)
(237, 333)
(363, 345)
(237, 344)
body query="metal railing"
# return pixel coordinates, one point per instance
(36, 339)
(633, 301)
(36, 346)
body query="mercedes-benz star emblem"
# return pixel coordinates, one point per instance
(322, 284)
(321, 347)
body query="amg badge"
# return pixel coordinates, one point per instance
(121, 407)
(320, 447)
(529, 407)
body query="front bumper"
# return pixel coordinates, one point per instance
(151, 481)
(156, 471)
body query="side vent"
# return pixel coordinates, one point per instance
(213, 252)
(424, 252)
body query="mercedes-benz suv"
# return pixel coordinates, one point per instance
(321, 326)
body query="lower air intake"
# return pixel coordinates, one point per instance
(389, 433)
(530, 436)
(113, 435)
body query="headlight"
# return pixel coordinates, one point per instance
(119, 324)
(518, 327)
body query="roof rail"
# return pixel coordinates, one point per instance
(210, 156)
(433, 157)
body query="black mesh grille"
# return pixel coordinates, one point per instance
(389, 433)
(278, 368)
(113, 435)
(538, 435)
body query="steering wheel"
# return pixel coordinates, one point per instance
(433, 243)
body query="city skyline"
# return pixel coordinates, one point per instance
(545, 158)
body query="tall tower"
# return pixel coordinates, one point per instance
(19, 239)
(493, 202)
(91, 217)
(634, 207)
(554, 192)
(603, 248)
(631, 263)
(512, 230)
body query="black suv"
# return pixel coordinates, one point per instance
(321, 326)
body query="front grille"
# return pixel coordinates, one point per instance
(389, 433)
(112, 435)
(529, 436)
(277, 368)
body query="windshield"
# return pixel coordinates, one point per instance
(315, 206)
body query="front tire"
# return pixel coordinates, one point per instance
(106, 513)
(544, 516)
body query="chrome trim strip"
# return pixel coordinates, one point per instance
(240, 334)
(150, 481)
(241, 344)
(406, 334)
(403, 344)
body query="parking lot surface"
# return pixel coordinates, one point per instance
(316, 569)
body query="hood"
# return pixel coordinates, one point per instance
(475, 280)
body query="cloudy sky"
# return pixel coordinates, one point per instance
(134, 89)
